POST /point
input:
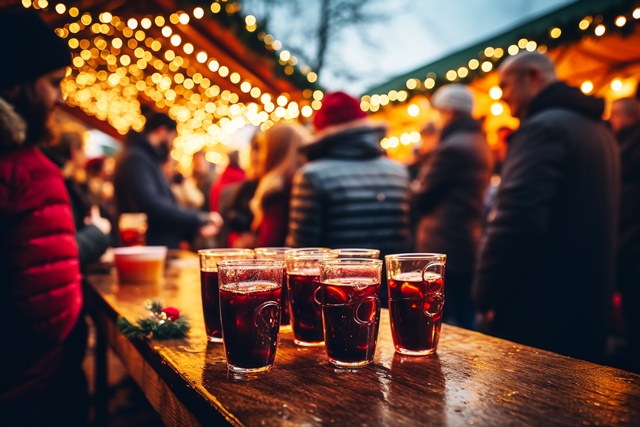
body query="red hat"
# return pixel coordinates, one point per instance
(337, 108)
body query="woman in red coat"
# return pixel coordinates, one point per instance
(41, 377)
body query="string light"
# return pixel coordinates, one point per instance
(205, 113)
(586, 87)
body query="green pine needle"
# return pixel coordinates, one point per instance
(152, 327)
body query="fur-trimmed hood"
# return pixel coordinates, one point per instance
(13, 129)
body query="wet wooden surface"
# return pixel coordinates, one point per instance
(474, 379)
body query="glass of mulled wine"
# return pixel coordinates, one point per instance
(416, 298)
(277, 253)
(303, 280)
(209, 259)
(133, 229)
(350, 295)
(250, 305)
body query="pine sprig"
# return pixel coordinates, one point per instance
(156, 325)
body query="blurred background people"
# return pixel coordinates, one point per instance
(92, 230)
(429, 137)
(499, 153)
(449, 198)
(40, 289)
(232, 173)
(204, 175)
(141, 186)
(184, 189)
(625, 121)
(546, 267)
(349, 194)
(234, 203)
(100, 171)
(279, 159)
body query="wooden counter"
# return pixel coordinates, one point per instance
(474, 379)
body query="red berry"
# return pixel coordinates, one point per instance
(172, 313)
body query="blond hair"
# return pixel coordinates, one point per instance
(279, 160)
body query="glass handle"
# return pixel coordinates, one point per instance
(371, 314)
(426, 268)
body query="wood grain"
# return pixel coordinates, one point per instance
(473, 380)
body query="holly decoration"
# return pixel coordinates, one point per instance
(161, 323)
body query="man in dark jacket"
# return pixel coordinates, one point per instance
(140, 186)
(449, 198)
(349, 194)
(546, 268)
(625, 121)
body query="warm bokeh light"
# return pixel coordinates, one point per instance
(495, 92)
(586, 87)
(616, 84)
(497, 108)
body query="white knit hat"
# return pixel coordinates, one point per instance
(455, 97)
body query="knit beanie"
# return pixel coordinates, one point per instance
(29, 47)
(455, 97)
(337, 108)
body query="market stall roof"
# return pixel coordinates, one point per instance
(210, 67)
(595, 45)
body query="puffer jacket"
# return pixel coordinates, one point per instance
(40, 282)
(350, 195)
(449, 200)
(546, 268)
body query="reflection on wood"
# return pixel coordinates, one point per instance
(473, 379)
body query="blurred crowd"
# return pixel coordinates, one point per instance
(541, 233)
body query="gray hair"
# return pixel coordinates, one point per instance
(524, 61)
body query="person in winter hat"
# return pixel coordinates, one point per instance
(349, 194)
(40, 286)
(546, 267)
(448, 198)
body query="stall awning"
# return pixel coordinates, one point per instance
(595, 44)
(209, 66)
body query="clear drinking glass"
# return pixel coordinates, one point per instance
(303, 278)
(277, 253)
(250, 304)
(357, 253)
(416, 298)
(209, 285)
(350, 295)
(133, 229)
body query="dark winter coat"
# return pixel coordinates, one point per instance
(140, 186)
(350, 195)
(629, 245)
(40, 288)
(449, 201)
(92, 242)
(546, 268)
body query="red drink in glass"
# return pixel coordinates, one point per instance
(251, 316)
(132, 237)
(415, 307)
(351, 313)
(305, 308)
(211, 304)
(285, 318)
